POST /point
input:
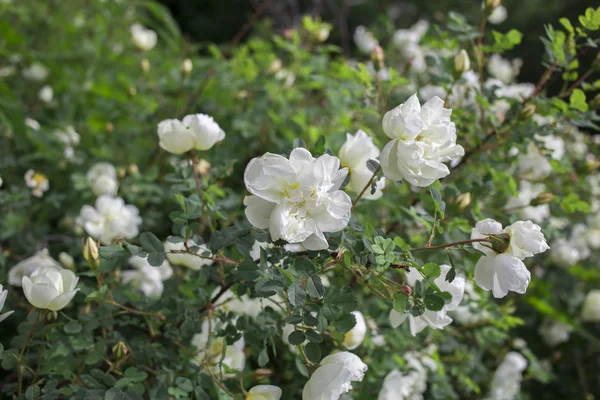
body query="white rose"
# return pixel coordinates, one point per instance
(147, 278)
(432, 319)
(196, 131)
(32, 123)
(501, 68)
(554, 332)
(591, 307)
(526, 239)
(46, 94)
(36, 72)
(264, 392)
(102, 177)
(411, 384)
(423, 138)
(143, 38)
(533, 165)
(110, 219)
(356, 335)
(565, 253)
(50, 288)
(298, 199)
(506, 383)
(190, 261)
(554, 145)
(3, 294)
(520, 204)
(354, 154)
(334, 377)
(364, 40)
(212, 350)
(498, 15)
(501, 274)
(38, 182)
(41, 259)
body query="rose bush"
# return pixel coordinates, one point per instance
(273, 220)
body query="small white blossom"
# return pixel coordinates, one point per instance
(506, 383)
(334, 377)
(102, 177)
(433, 319)
(37, 181)
(147, 278)
(66, 260)
(364, 40)
(68, 136)
(210, 349)
(520, 204)
(50, 288)
(190, 261)
(195, 131)
(143, 38)
(46, 94)
(407, 42)
(110, 219)
(32, 123)
(565, 253)
(410, 384)
(533, 165)
(264, 392)
(354, 154)
(503, 69)
(498, 15)
(554, 145)
(423, 138)
(297, 199)
(356, 335)
(36, 72)
(3, 294)
(554, 332)
(591, 307)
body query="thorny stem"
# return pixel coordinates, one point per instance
(137, 312)
(368, 185)
(22, 352)
(224, 260)
(443, 246)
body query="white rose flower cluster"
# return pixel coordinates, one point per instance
(195, 131)
(502, 270)
(102, 178)
(69, 138)
(147, 278)
(432, 319)
(407, 42)
(412, 384)
(334, 377)
(354, 154)
(110, 219)
(143, 38)
(423, 138)
(364, 40)
(520, 204)
(506, 383)
(297, 199)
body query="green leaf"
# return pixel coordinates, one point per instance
(314, 336)
(451, 275)
(150, 243)
(112, 251)
(400, 303)
(345, 323)
(156, 259)
(434, 302)
(248, 270)
(296, 295)
(263, 357)
(72, 327)
(313, 352)
(314, 286)
(304, 266)
(577, 100)
(297, 337)
(432, 271)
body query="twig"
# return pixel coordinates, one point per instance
(443, 246)
(22, 352)
(366, 186)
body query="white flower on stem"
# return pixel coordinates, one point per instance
(36, 72)
(411, 384)
(176, 256)
(554, 332)
(356, 335)
(37, 181)
(354, 154)
(50, 288)
(46, 94)
(32, 123)
(498, 15)
(533, 164)
(66, 260)
(68, 136)
(244, 304)
(364, 40)
(102, 177)
(554, 145)
(210, 349)
(520, 204)
(110, 219)
(565, 253)
(506, 383)
(501, 269)
(407, 42)
(195, 131)
(591, 307)
(423, 138)
(3, 294)
(297, 199)
(264, 392)
(433, 319)
(469, 312)
(147, 278)
(143, 38)
(26, 267)
(503, 69)
(592, 236)
(334, 377)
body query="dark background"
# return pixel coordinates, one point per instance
(219, 21)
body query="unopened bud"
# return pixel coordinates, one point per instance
(120, 350)
(109, 127)
(462, 63)
(90, 252)
(406, 290)
(121, 172)
(133, 169)
(463, 200)
(145, 64)
(203, 167)
(187, 66)
(323, 33)
(275, 66)
(542, 198)
(51, 315)
(66, 260)
(378, 57)
(490, 5)
(528, 111)
(499, 242)
(132, 91)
